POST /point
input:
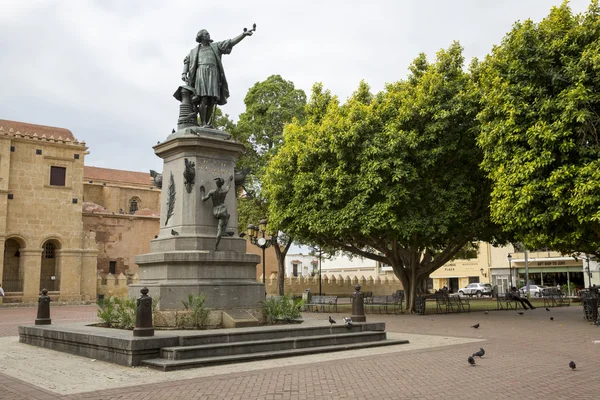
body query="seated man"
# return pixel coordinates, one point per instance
(523, 300)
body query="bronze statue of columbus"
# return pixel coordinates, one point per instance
(203, 72)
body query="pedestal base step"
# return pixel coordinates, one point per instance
(170, 365)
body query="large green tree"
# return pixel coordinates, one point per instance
(393, 177)
(270, 105)
(540, 124)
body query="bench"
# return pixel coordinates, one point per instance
(506, 301)
(384, 303)
(446, 303)
(554, 297)
(317, 302)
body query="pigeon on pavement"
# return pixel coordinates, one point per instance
(475, 326)
(471, 360)
(572, 365)
(485, 312)
(480, 353)
(551, 318)
(520, 313)
(331, 320)
(547, 309)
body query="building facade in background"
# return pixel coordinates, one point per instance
(42, 238)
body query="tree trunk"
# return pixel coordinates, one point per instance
(280, 255)
(280, 275)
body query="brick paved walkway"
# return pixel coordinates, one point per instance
(526, 358)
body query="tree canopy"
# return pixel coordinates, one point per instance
(539, 130)
(393, 177)
(270, 105)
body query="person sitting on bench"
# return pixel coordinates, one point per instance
(523, 300)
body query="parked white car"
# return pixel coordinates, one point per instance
(476, 289)
(534, 290)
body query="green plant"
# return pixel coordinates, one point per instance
(117, 313)
(565, 289)
(283, 308)
(199, 313)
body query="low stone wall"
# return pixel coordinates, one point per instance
(109, 285)
(335, 285)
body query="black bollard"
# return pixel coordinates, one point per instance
(43, 313)
(358, 305)
(143, 315)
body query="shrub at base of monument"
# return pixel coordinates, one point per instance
(195, 315)
(119, 313)
(282, 310)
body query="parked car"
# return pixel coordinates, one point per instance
(476, 289)
(534, 290)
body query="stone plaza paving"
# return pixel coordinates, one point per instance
(526, 357)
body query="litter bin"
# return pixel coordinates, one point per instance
(589, 299)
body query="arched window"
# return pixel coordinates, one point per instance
(134, 205)
(49, 250)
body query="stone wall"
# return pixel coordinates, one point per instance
(335, 285)
(120, 238)
(108, 285)
(115, 196)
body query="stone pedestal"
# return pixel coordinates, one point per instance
(182, 259)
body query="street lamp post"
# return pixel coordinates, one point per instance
(587, 269)
(509, 257)
(320, 257)
(258, 238)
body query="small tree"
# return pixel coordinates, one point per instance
(270, 105)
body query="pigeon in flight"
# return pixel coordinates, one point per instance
(572, 365)
(174, 232)
(471, 360)
(331, 320)
(475, 326)
(480, 353)
(547, 309)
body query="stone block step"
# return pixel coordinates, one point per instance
(275, 332)
(170, 365)
(266, 345)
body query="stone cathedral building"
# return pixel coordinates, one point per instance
(41, 229)
(62, 224)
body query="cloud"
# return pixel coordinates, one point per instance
(107, 69)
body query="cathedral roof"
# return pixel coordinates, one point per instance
(27, 129)
(108, 175)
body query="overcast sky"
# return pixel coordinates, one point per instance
(107, 69)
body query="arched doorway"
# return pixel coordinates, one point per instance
(49, 274)
(134, 204)
(12, 280)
